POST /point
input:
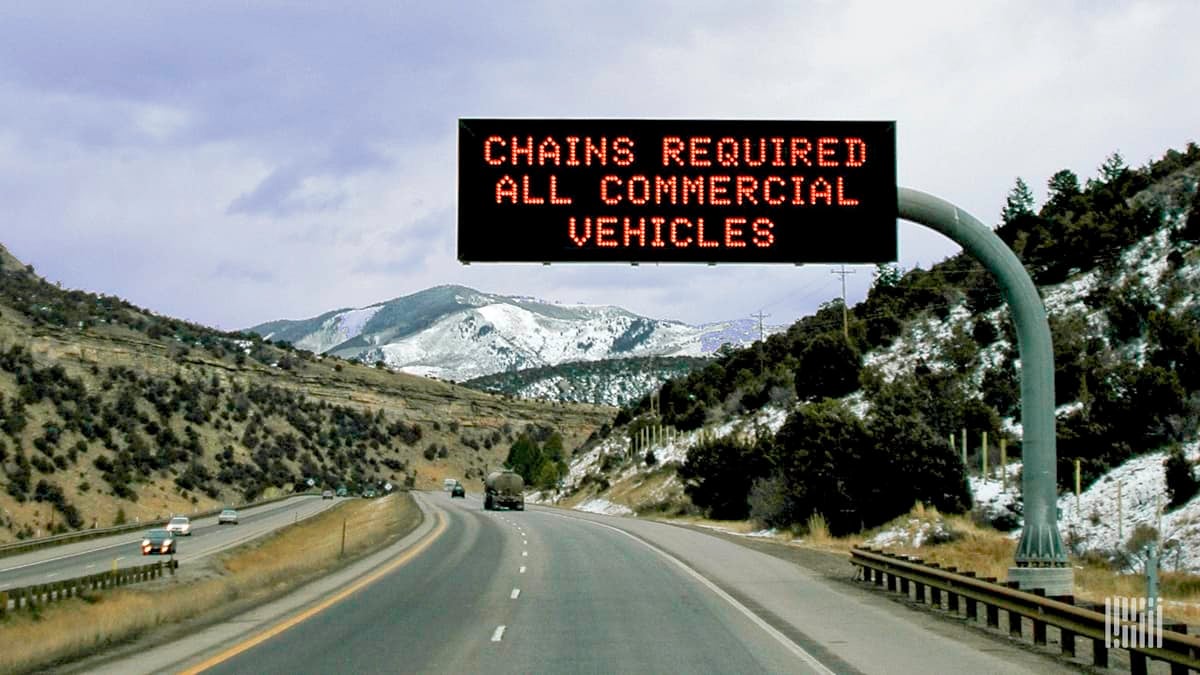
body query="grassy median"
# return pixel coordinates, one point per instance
(256, 572)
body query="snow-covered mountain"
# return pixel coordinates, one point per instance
(458, 333)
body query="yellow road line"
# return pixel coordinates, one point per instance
(322, 606)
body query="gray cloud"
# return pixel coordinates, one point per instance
(233, 165)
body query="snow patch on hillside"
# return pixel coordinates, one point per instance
(1092, 523)
(337, 329)
(598, 505)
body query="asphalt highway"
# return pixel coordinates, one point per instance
(550, 591)
(124, 550)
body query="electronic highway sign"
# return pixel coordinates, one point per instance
(701, 191)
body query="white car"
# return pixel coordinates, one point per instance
(181, 526)
(228, 516)
(449, 483)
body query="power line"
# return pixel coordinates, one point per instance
(761, 338)
(842, 272)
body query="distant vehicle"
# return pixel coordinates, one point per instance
(449, 483)
(181, 526)
(341, 491)
(227, 516)
(328, 494)
(368, 494)
(504, 488)
(458, 491)
(158, 542)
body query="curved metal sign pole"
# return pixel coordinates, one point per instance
(1041, 561)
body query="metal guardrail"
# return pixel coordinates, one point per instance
(83, 535)
(30, 597)
(1074, 620)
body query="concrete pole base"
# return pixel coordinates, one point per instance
(1054, 580)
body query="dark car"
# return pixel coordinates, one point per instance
(158, 542)
(458, 490)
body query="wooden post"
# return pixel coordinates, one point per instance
(1120, 524)
(983, 455)
(1004, 464)
(343, 538)
(954, 450)
(1077, 493)
(964, 445)
(1158, 515)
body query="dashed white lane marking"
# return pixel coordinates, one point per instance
(525, 542)
(88, 567)
(522, 569)
(120, 557)
(515, 594)
(52, 574)
(498, 634)
(524, 554)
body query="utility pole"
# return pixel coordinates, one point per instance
(842, 272)
(761, 338)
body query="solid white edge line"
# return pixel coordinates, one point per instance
(754, 618)
(498, 634)
(516, 593)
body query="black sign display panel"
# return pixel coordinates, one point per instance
(702, 191)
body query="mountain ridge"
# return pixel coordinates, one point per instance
(458, 333)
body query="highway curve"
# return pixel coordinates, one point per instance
(549, 591)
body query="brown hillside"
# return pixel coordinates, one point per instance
(105, 407)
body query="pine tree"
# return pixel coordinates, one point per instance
(1019, 202)
(1182, 484)
(1113, 167)
(1063, 185)
(888, 275)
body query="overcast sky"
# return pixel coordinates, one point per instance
(233, 166)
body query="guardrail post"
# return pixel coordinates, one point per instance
(1039, 627)
(993, 616)
(919, 591)
(1137, 663)
(3, 603)
(935, 596)
(1067, 639)
(904, 585)
(1099, 654)
(879, 575)
(1176, 668)
(1014, 623)
(891, 582)
(952, 601)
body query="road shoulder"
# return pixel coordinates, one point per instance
(835, 569)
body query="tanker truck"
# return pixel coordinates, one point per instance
(504, 488)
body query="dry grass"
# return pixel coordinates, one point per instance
(255, 572)
(735, 526)
(989, 553)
